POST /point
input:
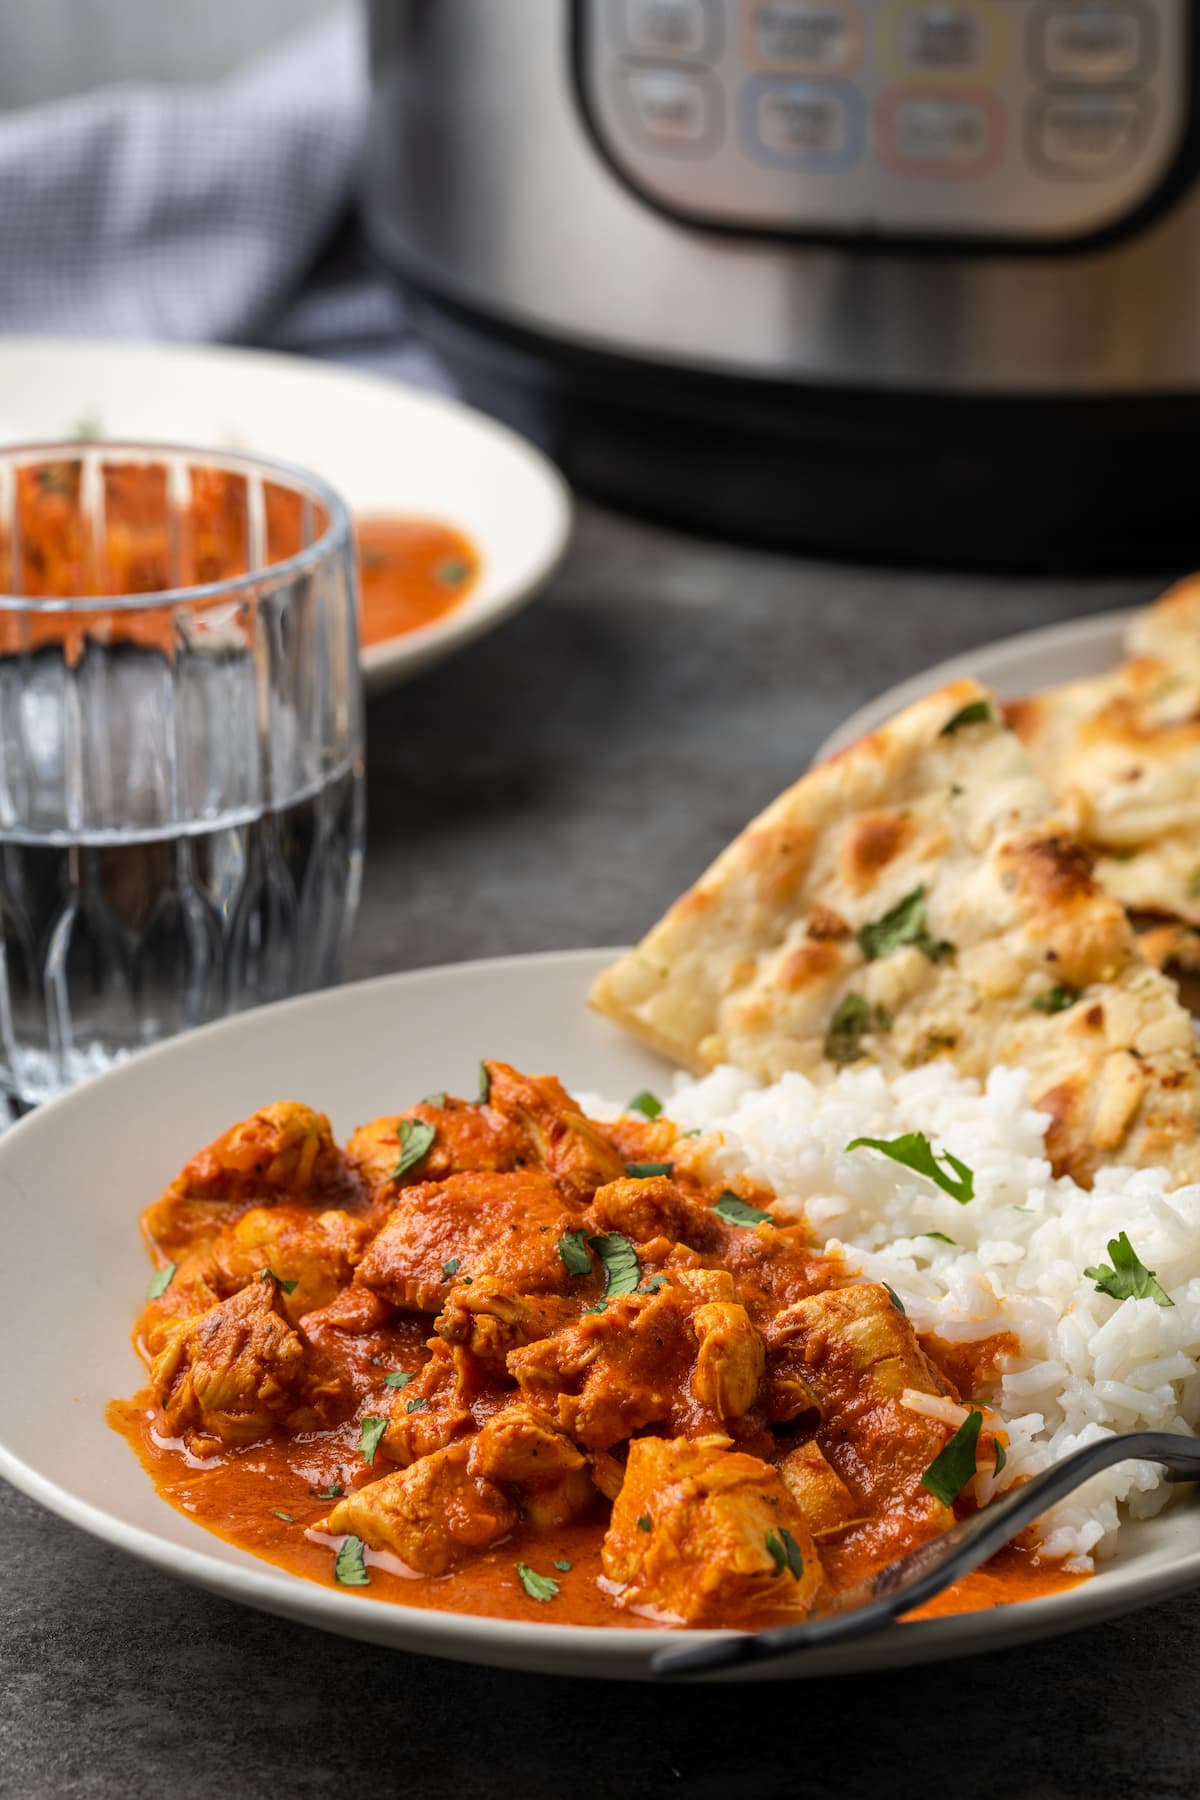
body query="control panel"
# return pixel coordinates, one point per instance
(1019, 120)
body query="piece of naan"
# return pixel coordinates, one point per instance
(914, 897)
(1120, 753)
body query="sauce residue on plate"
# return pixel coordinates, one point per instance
(139, 540)
(412, 572)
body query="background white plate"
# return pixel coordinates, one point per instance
(1013, 666)
(383, 446)
(74, 1176)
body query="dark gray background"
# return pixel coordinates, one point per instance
(557, 785)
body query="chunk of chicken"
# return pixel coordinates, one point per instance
(655, 1206)
(507, 1226)
(431, 1516)
(468, 1137)
(284, 1152)
(818, 1490)
(318, 1251)
(430, 1412)
(730, 1361)
(523, 1451)
(240, 1368)
(708, 1535)
(643, 1361)
(859, 1354)
(563, 1142)
(487, 1321)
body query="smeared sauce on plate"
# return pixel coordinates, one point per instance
(412, 573)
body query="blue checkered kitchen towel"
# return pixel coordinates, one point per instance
(202, 213)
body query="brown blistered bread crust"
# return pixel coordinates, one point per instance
(736, 973)
(1120, 753)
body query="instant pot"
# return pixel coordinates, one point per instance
(900, 279)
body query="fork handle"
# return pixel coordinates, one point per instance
(933, 1566)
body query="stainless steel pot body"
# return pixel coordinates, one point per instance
(502, 177)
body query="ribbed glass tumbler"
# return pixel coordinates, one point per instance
(181, 756)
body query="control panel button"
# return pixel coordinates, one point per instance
(943, 41)
(671, 109)
(939, 134)
(1092, 43)
(1087, 135)
(943, 38)
(808, 35)
(682, 28)
(815, 125)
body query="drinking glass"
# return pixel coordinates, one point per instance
(181, 757)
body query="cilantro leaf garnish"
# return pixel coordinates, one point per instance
(975, 712)
(485, 1085)
(160, 1281)
(288, 1518)
(572, 1247)
(332, 1492)
(1001, 1458)
(736, 1211)
(643, 1171)
(450, 1268)
(416, 1140)
(646, 1103)
(1128, 1278)
(414, 1405)
(895, 1299)
(622, 1271)
(373, 1429)
(655, 1282)
(954, 1465)
(939, 1236)
(434, 1100)
(349, 1567)
(644, 1522)
(785, 1553)
(398, 1378)
(853, 1018)
(538, 1587)
(1056, 1001)
(600, 1306)
(289, 1287)
(914, 1150)
(453, 572)
(904, 924)
(562, 1565)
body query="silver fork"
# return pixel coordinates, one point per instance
(925, 1571)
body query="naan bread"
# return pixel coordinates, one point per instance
(915, 897)
(1170, 629)
(1121, 755)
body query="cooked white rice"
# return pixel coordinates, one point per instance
(1091, 1365)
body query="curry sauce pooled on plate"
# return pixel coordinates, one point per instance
(493, 1357)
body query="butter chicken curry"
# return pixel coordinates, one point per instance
(493, 1357)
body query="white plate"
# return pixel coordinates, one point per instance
(383, 446)
(1013, 666)
(74, 1176)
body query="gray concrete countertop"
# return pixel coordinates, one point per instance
(557, 785)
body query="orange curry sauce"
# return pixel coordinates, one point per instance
(275, 1202)
(413, 570)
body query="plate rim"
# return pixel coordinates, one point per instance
(615, 1650)
(395, 660)
(890, 700)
